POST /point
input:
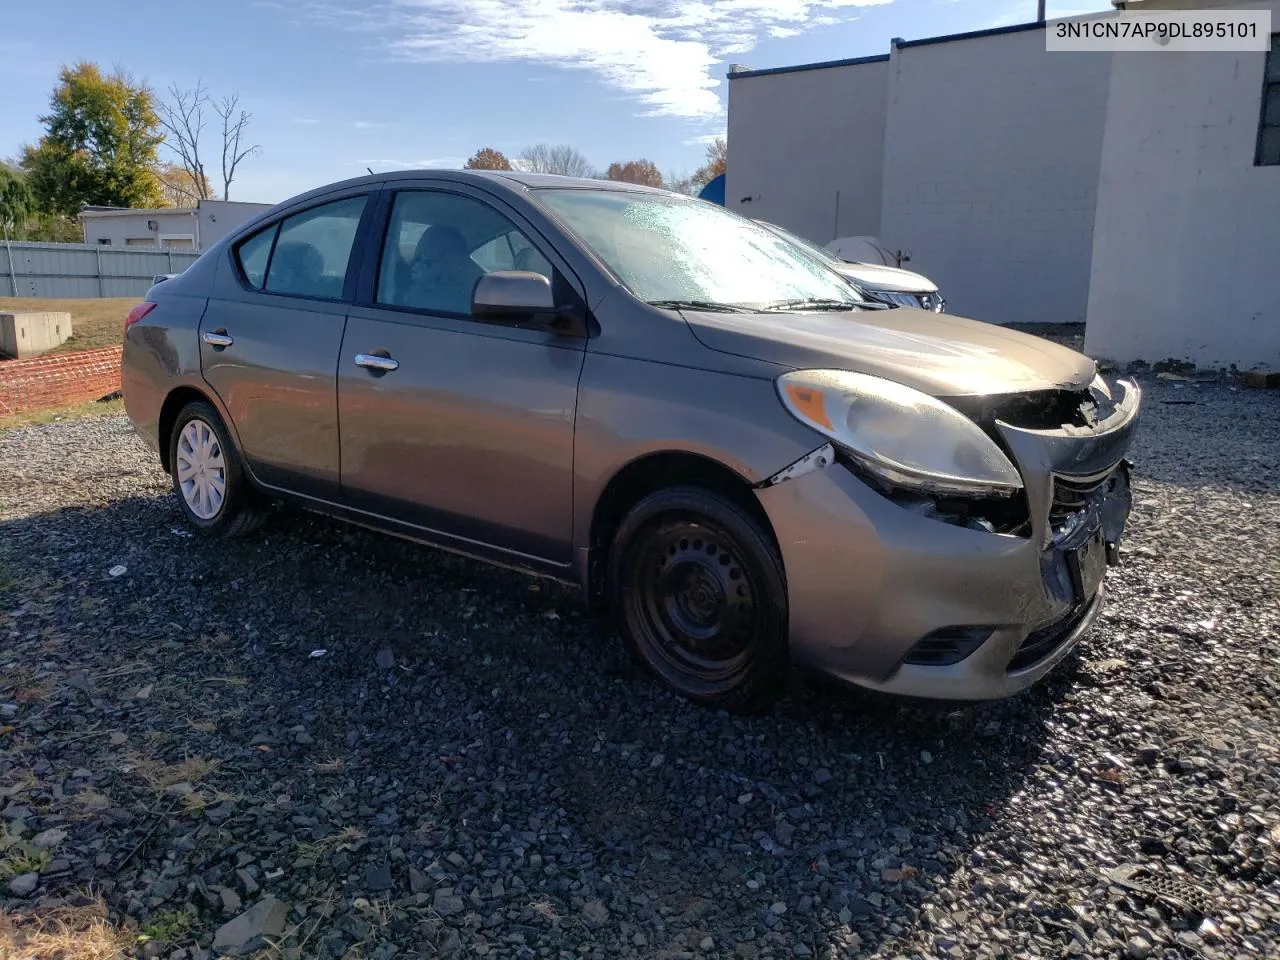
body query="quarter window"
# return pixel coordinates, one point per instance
(313, 248)
(253, 255)
(1269, 122)
(439, 244)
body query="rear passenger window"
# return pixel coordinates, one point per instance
(253, 255)
(312, 250)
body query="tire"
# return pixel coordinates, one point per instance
(698, 592)
(219, 514)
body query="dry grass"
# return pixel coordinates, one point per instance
(62, 933)
(161, 776)
(332, 765)
(56, 414)
(344, 839)
(94, 322)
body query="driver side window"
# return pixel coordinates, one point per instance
(439, 244)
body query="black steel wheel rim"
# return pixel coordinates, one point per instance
(698, 603)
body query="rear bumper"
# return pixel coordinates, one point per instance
(868, 580)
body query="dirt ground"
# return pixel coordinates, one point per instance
(96, 322)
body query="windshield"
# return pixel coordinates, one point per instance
(826, 256)
(675, 251)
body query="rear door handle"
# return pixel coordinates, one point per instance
(374, 362)
(218, 338)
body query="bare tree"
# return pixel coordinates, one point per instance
(680, 182)
(562, 159)
(183, 118)
(233, 127)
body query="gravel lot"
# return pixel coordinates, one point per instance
(473, 768)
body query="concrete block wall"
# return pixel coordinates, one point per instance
(798, 137)
(58, 380)
(1187, 240)
(992, 152)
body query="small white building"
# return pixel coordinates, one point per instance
(167, 228)
(1139, 191)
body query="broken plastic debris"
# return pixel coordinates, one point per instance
(118, 570)
(317, 653)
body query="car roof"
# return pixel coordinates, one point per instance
(513, 180)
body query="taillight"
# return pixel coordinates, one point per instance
(137, 313)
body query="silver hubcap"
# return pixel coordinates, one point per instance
(202, 471)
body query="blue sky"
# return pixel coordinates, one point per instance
(334, 87)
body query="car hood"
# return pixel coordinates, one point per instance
(875, 276)
(941, 354)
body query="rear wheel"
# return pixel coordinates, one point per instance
(698, 590)
(208, 476)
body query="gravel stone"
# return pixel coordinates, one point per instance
(247, 932)
(24, 884)
(505, 761)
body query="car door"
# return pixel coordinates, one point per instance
(269, 344)
(452, 425)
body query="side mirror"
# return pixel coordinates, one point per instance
(525, 299)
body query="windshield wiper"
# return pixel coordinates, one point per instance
(711, 305)
(809, 303)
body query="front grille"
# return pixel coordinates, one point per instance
(896, 299)
(1039, 644)
(947, 646)
(1073, 494)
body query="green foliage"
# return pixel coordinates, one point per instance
(50, 228)
(18, 857)
(15, 199)
(171, 926)
(100, 145)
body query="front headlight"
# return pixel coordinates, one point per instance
(904, 437)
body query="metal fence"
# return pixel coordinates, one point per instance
(83, 270)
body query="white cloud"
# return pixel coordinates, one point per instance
(365, 124)
(663, 53)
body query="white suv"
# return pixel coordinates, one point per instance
(881, 283)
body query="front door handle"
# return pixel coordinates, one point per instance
(218, 338)
(374, 362)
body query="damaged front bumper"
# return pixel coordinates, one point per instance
(886, 598)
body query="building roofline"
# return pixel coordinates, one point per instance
(896, 42)
(824, 65)
(94, 213)
(972, 34)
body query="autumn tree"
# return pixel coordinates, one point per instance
(717, 160)
(99, 147)
(178, 188)
(635, 171)
(183, 117)
(563, 160)
(487, 158)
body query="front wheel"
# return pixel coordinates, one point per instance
(207, 474)
(698, 589)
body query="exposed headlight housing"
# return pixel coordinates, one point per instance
(903, 437)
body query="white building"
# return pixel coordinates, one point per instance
(1139, 191)
(167, 228)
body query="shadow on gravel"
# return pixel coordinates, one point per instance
(334, 714)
